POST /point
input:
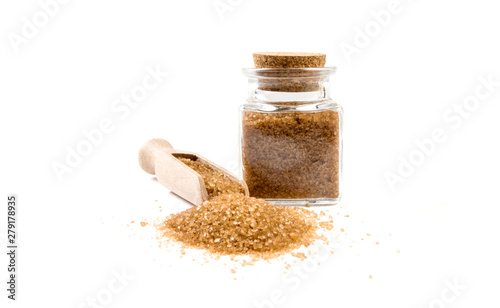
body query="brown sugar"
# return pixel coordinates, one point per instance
(291, 155)
(299, 255)
(216, 182)
(234, 224)
(326, 225)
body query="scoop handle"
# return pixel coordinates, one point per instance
(156, 157)
(151, 151)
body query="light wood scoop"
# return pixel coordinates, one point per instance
(158, 157)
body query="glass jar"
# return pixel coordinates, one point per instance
(291, 136)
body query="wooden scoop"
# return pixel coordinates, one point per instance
(157, 156)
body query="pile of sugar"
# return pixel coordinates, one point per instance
(234, 224)
(216, 182)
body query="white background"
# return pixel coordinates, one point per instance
(395, 90)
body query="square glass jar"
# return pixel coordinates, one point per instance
(291, 136)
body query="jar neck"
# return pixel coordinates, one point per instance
(289, 85)
(259, 92)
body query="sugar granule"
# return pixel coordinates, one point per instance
(216, 182)
(234, 224)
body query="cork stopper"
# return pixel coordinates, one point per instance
(288, 71)
(288, 59)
